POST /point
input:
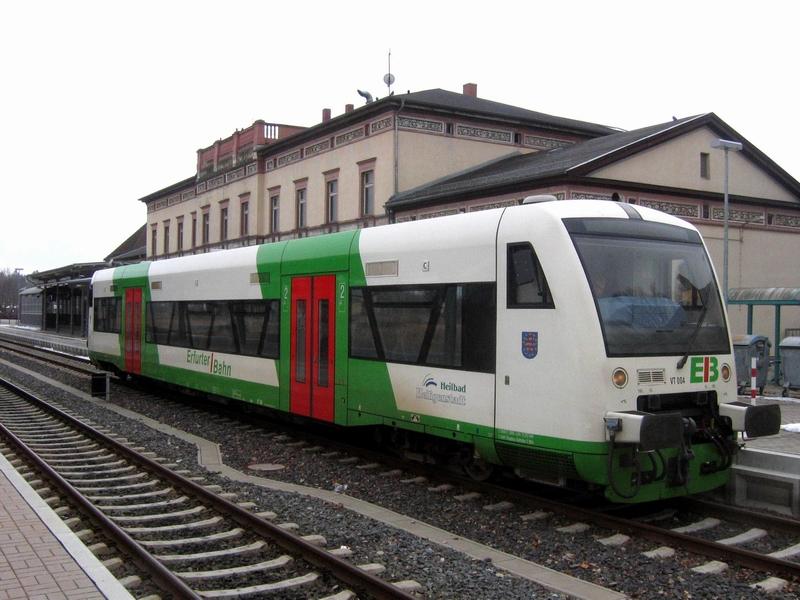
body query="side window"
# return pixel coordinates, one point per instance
(248, 327)
(107, 313)
(527, 285)
(159, 318)
(448, 325)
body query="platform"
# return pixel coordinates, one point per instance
(62, 343)
(785, 441)
(40, 557)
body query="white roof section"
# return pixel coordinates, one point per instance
(212, 276)
(447, 249)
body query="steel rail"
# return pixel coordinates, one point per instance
(764, 520)
(16, 346)
(163, 577)
(341, 569)
(742, 557)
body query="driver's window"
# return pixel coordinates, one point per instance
(527, 285)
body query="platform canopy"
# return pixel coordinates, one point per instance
(775, 297)
(770, 296)
(69, 273)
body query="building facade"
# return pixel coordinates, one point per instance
(671, 167)
(270, 182)
(434, 153)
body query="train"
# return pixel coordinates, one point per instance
(581, 343)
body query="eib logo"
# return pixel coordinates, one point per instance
(704, 369)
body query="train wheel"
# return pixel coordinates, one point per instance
(478, 469)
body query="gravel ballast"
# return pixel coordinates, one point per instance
(443, 574)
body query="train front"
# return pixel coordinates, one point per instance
(672, 420)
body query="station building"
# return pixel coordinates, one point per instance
(431, 153)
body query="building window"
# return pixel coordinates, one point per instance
(180, 235)
(367, 192)
(223, 223)
(274, 213)
(301, 207)
(154, 241)
(705, 168)
(244, 218)
(206, 227)
(332, 201)
(166, 237)
(194, 230)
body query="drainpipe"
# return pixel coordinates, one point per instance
(390, 213)
(397, 145)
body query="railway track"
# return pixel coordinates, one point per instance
(191, 541)
(611, 527)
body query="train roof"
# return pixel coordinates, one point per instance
(467, 240)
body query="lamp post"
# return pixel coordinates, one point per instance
(727, 146)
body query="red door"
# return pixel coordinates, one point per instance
(133, 330)
(312, 353)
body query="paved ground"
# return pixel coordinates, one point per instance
(39, 556)
(786, 441)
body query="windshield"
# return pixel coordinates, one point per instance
(653, 296)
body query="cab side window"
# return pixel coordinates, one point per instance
(527, 285)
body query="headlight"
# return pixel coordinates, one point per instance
(619, 377)
(725, 371)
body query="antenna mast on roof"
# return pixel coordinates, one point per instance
(388, 79)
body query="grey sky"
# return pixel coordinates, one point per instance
(106, 102)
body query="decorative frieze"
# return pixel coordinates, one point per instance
(173, 200)
(201, 187)
(589, 196)
(317, 148)
(738, 215)
(381, 124)
(535, 141)
(500, 204)
(234, 175)
(420, 124)
(559, 195)
(691, 211)
(270, 164)
(350, 136)
(251, 168)
(786, 220)
(188, 194)
(288, 158)
(439, 213)
(216, 182)
(492, 135)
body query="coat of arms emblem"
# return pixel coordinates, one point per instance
(530, 344)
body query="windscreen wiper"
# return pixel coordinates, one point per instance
(700, 318)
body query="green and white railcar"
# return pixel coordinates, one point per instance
(575, 342)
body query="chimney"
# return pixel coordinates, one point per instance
(348, 108)
(326, 115)
(471, 89)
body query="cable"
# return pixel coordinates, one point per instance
(609, 473)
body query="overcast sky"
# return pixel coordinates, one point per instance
(106, 102)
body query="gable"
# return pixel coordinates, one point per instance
(676, 163)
